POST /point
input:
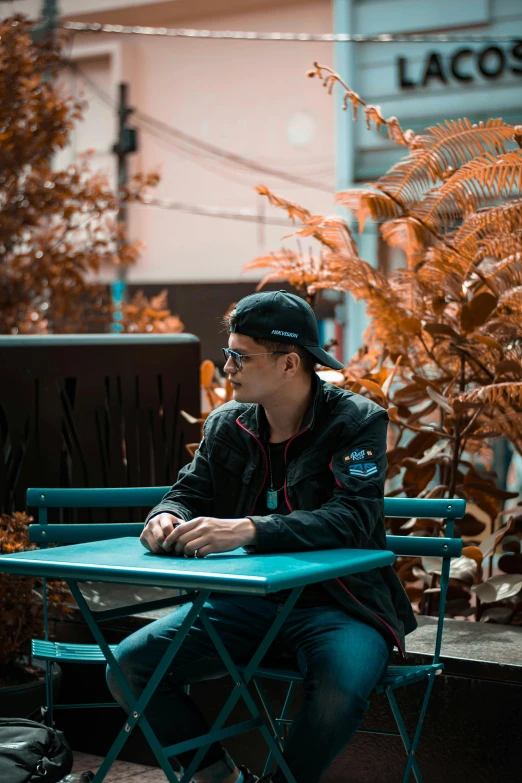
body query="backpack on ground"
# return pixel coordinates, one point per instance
(31, 752)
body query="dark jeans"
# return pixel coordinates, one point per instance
(340, 657)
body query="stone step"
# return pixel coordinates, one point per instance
(120, 772)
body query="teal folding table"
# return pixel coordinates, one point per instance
(125, 561)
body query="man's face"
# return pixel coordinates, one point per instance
(260, 376)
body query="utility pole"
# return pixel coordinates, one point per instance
(126, 144)
(46, 30)
(50, 17)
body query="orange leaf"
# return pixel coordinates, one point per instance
(477, 311)
(474, 553)
(389, 380)
(373, 387)
(207, 371)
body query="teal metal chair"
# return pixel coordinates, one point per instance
(45, 533)
(396, 676)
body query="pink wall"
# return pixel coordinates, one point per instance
(250, 97)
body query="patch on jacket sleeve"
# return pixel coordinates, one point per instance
(359, 454)
(363, 469)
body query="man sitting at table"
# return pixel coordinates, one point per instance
(291, 464)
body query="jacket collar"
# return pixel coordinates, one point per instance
(254, 418)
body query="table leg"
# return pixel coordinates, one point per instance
(241, 689)
(139, 705)
(216, 732)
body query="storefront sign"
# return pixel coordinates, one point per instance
(465, 65)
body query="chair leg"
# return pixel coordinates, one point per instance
(271, 719)
(411, 765)
(288, 703)
(49, 694)
(416, 736)
(280, 728)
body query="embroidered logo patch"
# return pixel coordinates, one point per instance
(360, 454)
(363, 469)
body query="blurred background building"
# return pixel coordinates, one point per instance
(217, 117)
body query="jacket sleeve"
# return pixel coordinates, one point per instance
(191, 496)
(349, 518)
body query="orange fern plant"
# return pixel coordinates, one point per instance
(443, 351)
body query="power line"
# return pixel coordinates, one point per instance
(244, 214)
(188, 143)
(239, 160)
(241, 35)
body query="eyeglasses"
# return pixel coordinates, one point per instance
(237, 358)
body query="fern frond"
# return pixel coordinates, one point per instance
(409, 235)
(477, 182)
(499, 246)
(509, 424)
(354, 275)
(372, 113)
(443, 148)
(332, 232)
(273, 259)
(488, 231)
(444, 272)
(482, 451)
(500, 420)
(410, 292)
(503, 219)
(487, 350)
(294, 210)
(395, 132)
(368, 204)
(303, 272)
(506, 331)
(512, 299)
(392, 306)
(495, 394)
(501, 277)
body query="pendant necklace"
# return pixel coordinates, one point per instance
(271, 493)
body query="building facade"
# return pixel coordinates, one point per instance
(218, 117)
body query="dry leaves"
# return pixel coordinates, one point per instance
(57, 228)
(21, 606)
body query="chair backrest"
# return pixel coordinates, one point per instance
(421, 546)
(107, 497)
(446, 547)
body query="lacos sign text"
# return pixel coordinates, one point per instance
(462, 66)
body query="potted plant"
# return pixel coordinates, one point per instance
(22, 682)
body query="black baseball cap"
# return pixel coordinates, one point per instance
(281, 317)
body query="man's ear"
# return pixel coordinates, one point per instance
(292, 362)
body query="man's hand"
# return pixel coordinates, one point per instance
(155, 533)
(208, 534)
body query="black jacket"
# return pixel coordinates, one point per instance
(334, 491)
